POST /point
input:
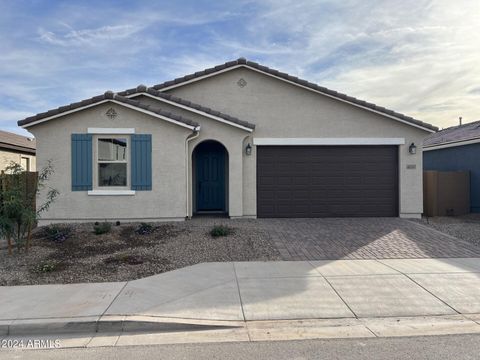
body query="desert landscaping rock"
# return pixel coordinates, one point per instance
(465, 227)
(123, 255)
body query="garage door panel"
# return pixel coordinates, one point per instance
(266, 181)
(283, 195)
(377, 181)
(353, 180)
(326, 181)
(301, 180)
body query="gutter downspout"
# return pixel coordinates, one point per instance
(196, 133)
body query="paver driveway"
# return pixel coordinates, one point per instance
(361, 238)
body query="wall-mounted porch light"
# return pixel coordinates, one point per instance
(412, 149)
(248, 149)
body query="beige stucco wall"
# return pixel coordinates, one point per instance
(231, 138)
(167, 200)
(278, 109)
(6, 157)
(282, 110)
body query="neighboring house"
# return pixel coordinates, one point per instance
(239, 139)
(18, 149)
(456, 149)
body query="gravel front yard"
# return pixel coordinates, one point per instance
(465, 227)
(124, 254)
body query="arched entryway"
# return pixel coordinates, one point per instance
(210, 178)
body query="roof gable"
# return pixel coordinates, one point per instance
(188, 105)
(109, 97)
(242, 62)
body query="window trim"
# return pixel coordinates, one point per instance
(108, 131)
(111, 192)
(114, 189)
(27, 162)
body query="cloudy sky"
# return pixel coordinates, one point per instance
(417, 57)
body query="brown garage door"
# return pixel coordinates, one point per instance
(327, 181)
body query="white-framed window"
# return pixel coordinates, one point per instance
(25, 163)
(112, 161)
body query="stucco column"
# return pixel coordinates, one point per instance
(411, 179)
(249, 179)
(235, 180)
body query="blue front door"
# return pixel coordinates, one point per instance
(210, 177)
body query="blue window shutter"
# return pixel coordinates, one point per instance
(141, 164)
(81, 162)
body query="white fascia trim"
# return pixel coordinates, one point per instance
(118, 103)
(451, 144)
(328, 141)
(302, 86)
(111, 130)
(191, 127)
(111, 192)
(63, 114)
(191, 110)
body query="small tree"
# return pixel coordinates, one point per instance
(17, 207)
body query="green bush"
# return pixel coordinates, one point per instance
(57, 233)
(144, 229)
(220, 230)
(18, 192)
(47, 267)
(102, 228)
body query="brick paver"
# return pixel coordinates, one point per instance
(361, 238)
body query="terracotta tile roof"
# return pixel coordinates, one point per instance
(143, 89)
(452, 134)
(107, 96)
(17, 142)
(296, 80)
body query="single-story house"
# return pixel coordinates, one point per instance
(239, 139)
(18, 149)
(456, 148)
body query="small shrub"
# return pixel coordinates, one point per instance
(144, 229)
(58, 233)
(102, 228)
(18, 193)
(117, 223)
(48, 267)
(220, 230)
(124, 259)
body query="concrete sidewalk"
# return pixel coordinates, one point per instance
(228, 294)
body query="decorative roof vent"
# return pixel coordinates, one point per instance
(111, 113)
(242, 82)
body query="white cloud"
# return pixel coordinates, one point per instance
(417, 57)
(8, 119)
(89, 36)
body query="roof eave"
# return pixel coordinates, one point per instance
(17, 148)
(450, 144)
(25, 124)
(188, 108)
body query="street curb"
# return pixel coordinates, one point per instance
(118, 331)
(108, 324)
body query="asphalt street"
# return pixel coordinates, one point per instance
(456, 347)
